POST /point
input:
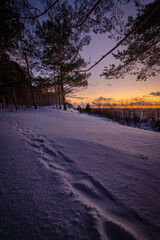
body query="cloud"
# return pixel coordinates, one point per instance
(109, 85)
(141, 103)
(75, 104)
(93, 84)
(155, 94)
(145, 96)
(83, 104)
(104, 99)
(109, 99)
(74, 96)
(101, 101)
(94, 103)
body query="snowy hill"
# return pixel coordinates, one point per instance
(69, 176)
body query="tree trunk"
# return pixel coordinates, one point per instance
(15, 100)
(59, 98)
(56, 102)
(3, 103)
(63, 96)
(30, 82)
(64, 102)
(33, 97)
(62, 90)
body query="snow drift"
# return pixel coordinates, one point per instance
(68, 176)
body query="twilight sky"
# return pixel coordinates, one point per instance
(116, 89)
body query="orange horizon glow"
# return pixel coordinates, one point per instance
(124, 107)
(138, 102)
(121, 91)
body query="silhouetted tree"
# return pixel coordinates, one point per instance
(88, 108)
(61, 47)
(13, 80)
(79, 109)
(13, 73)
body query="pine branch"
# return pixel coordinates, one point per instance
(87, 16)
(125, 38)
(41, 14)
(127, 63)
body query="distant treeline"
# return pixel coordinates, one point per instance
(18, 91)
(137, 117)
(17, 100)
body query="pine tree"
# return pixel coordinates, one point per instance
(60, 54)
(88, 108)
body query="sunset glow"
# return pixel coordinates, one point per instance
(127, 107)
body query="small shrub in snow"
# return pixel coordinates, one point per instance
(79, 109)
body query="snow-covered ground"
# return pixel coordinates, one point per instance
(69, 176)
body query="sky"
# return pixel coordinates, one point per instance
(115, 89)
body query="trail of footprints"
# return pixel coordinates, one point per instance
(117, 221)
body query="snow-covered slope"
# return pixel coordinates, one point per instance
(68, 176)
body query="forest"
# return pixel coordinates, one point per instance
(40, 50)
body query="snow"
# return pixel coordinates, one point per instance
(69, 176)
